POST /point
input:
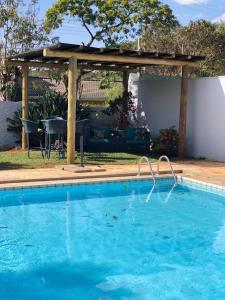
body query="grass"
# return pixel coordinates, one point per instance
(18, 159)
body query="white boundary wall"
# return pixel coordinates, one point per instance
(7, 109)
(159, 104)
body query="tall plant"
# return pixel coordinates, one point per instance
(52, 103)
(123, 108)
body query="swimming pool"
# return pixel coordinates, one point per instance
(120, 240)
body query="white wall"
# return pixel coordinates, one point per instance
(206, 118)
(7, 109)
(158, 102)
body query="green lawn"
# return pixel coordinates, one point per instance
(18, 159)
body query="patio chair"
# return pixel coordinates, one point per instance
(30, 127)
(55, 127)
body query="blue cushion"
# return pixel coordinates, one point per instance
(140, 142)
(105, 129)
(129, 133)
(103, 141)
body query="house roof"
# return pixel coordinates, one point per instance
(103, 58)
(90, 88)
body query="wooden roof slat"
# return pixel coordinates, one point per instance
(103, 57)
(117, 58)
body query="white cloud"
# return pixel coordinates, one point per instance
(189, 2)
(220, 19)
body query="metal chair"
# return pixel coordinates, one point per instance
(30, 127)
(44, 150)
(57, 127)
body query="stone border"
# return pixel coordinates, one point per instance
(206, 186)
(102, 181)
(210, 187)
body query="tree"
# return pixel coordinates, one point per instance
(110, 21)
(198, 38)
(18, 32)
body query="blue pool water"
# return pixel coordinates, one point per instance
(112, 241)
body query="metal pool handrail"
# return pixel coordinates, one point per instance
(150, 167)
(169, 163)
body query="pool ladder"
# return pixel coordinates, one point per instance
(158, 164)
(149, 165)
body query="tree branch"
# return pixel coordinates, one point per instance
(89, 31)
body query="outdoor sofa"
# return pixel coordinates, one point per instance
(106, 139)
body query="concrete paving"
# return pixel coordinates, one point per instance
(208, 171)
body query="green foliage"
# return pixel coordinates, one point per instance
(114, 92)
(123, 107)
(110, 21)
(20, 30)
(52, 103)
(10, 88)
(111, 82)
(108, 78)
(198, 38)
(167, 142)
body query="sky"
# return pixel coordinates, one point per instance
(184, 10)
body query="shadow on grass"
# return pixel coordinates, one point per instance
(6, 165)
(109, 157)
(103, 158)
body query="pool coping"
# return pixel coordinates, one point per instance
(81, 176)
(180, 179)
(207, 186)
(84, 182)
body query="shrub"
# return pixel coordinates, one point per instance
(167, 142)
(123, 107)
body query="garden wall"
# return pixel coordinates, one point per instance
(158, 103)
(7, 109)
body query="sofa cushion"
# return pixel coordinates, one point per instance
(136, 142)
(129, 133)
(100, 132)
(139, 134)
(103, 141)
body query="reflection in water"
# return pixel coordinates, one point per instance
(219, 241)
(159, 193)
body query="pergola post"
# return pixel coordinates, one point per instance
(125, 81)
(25, 71)
(71, 118)
(183, 112)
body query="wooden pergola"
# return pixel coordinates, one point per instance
(73, 57)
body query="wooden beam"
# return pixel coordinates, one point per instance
(107, 68)
(71, 117)
(116, 58)
(35, 64)
(25, 112)
(183, 112)
(63, 66)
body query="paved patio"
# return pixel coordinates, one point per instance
(208, 171)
